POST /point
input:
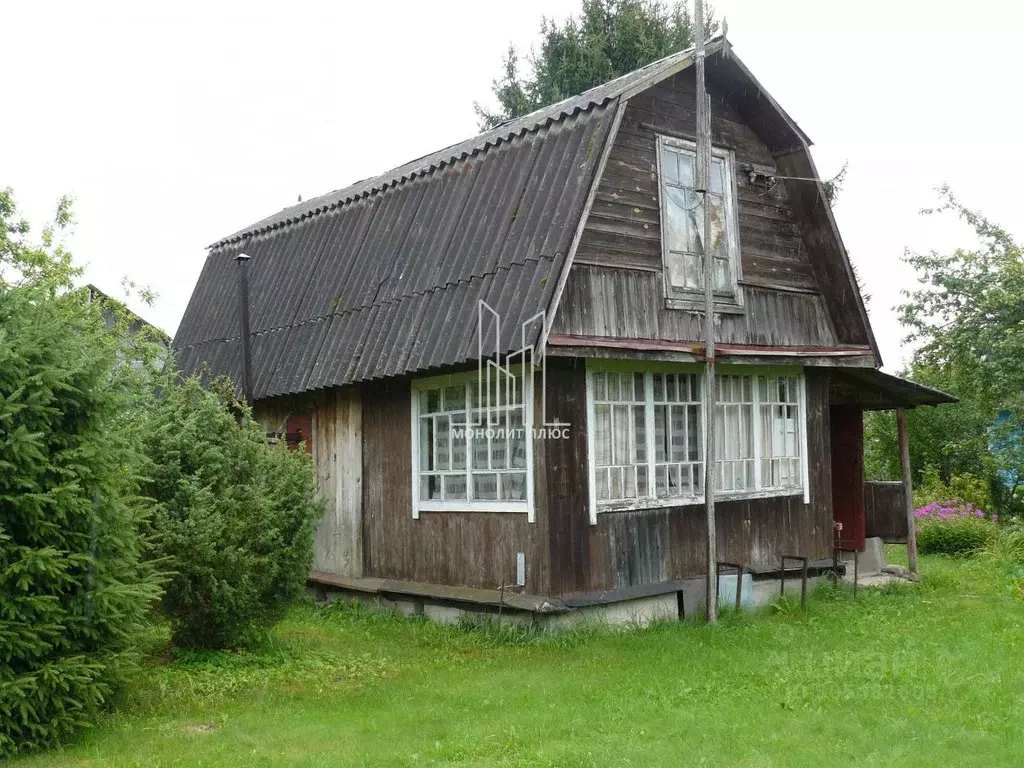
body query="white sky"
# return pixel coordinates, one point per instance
(175, 124)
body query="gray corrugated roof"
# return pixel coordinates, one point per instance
(387, 281)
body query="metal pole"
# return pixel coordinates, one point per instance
(243, 309)
(908, 488)
(703, 183)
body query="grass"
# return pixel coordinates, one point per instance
(923, 674)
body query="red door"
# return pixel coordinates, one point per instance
(848, 475)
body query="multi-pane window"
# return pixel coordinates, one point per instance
(780, 431)
(471, 444)
(620, 435)
(647, 436)
(682, 215)
(678, 466)
(734, 434)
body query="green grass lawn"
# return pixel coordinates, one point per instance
(927, 674)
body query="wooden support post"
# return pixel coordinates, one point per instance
(908, 488)
(703, 175)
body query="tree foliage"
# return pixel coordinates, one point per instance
(75, 590)
(607, 39)
(967, 315)
(235, 517)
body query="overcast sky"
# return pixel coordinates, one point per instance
(175, 124)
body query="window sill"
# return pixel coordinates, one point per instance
(473, 506)
(696, 304)
(689, 501)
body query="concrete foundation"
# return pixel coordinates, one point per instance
(632, 613)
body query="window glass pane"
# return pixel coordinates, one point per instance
(442, 441)
(685, 271)
(513, 486)
(640, 431)
(686, 169)
(670, 165)
(517, 439)
(602, 435)
(717, 176)
(426, 443)
(455, 398)
(430, 487)
(458, 446)
(430, 401)
(685, 213)
(485, 486)
(455, 486)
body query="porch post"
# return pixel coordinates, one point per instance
(908, 488)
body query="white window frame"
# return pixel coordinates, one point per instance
(679, 298)
(470, 379)
(652, 501)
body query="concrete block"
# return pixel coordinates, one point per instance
(727, 592)
(870, 562)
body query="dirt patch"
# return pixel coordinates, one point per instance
(200, 728)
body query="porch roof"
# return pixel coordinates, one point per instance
(874, 390)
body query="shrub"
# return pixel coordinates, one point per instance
(964, 487)
(953, 527)
(235, 518)
(75, 593)
(1006, 550)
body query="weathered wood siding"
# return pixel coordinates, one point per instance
(615, 286)
(335, 418)
(470, 549)
(337, 451)
(630, 304)
(627, 549)
(885, 511)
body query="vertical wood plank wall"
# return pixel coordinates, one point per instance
(337, 451)
(336, 446)
(615, 283)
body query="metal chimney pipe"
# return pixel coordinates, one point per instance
(243, 310)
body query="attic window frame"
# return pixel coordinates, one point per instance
(693, 299)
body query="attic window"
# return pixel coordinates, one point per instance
(682, 217)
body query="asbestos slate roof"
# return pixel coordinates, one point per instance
(384, 277)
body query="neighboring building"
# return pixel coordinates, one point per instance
(365, 342)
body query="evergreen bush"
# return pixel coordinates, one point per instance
(75, 592)
(235, 518)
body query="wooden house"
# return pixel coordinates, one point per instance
(566, 242)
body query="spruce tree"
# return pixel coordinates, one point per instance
(75, 592)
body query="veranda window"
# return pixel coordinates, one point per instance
(647, 445)
(471, 447)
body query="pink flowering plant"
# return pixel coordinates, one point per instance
(953, 527)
